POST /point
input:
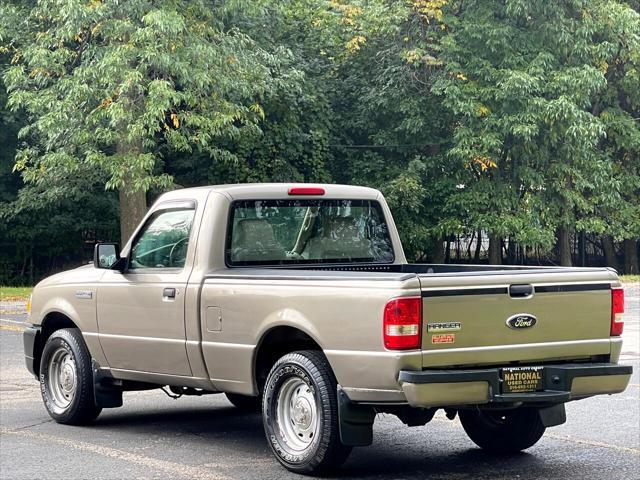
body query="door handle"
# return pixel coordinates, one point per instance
(521, 291)
(169, 293)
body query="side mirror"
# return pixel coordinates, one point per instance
(106, 255)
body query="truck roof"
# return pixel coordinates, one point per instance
(244, 191)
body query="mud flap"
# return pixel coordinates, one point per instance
(356, 421)
(553, 416)
(106, 391)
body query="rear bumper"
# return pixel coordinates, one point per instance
(29, 338)
(561, 383)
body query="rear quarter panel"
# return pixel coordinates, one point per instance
(341, 311)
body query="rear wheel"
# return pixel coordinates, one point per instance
(503, 431)
(66, 378)
(300, 413)
(244, 402)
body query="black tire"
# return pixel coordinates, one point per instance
(503, 432)
(245, 402)
(65, 350)
(324, 451)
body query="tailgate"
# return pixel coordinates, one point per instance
(519, 316)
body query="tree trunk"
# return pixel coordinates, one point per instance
(476, 254)
(25, 260)
(473, 236)
(133, 207)
(564, 246)
(609, 249)
(31, 282)
(631, 257)
(511, 252)
(582, 249)
(495, 249)
(439, 253)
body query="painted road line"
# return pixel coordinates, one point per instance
(592, 443)
(17, 322)
(12, 328)
(172, 468)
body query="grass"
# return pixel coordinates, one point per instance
(630, 278)
(14, 293)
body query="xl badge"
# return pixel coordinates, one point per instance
(521, 320)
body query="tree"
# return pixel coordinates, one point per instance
(120, 87)
(376, 64)
(616, 26)
(523, 82)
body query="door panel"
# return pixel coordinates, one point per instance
(141, 311)
(139, 328)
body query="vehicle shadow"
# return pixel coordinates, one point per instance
(209, 423)
(411, 453)
(411, 461)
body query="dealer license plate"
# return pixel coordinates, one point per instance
(521, 379)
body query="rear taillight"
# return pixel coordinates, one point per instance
(401, 323)
(617, 311)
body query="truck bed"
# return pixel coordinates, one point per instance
(466, 307)
(432, 268)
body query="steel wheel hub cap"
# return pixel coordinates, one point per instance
(62, 380)
(297, 414)
(302, 413)
(67, 378)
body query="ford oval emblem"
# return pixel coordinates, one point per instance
(521, 320)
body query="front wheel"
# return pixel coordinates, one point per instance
(66, 378)
(503, 432)
(300, 413)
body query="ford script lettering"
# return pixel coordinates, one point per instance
(521, 320)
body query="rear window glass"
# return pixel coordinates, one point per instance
(281, 232)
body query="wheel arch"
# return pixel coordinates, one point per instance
(52, 321)
(276, 342)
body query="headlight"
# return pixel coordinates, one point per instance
(29, 305)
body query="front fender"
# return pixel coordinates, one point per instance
(57, 305)
(77, 302)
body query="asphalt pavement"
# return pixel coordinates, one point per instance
(153, 436)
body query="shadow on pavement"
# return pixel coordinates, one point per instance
(211, 423)
(229, 428)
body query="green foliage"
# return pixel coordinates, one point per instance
(521, 84)
(618, 107)
(108, 85)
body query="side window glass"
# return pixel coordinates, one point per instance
(164, 240)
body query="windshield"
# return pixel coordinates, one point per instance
(280, 232)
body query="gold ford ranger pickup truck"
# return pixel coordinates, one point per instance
(296, 300)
